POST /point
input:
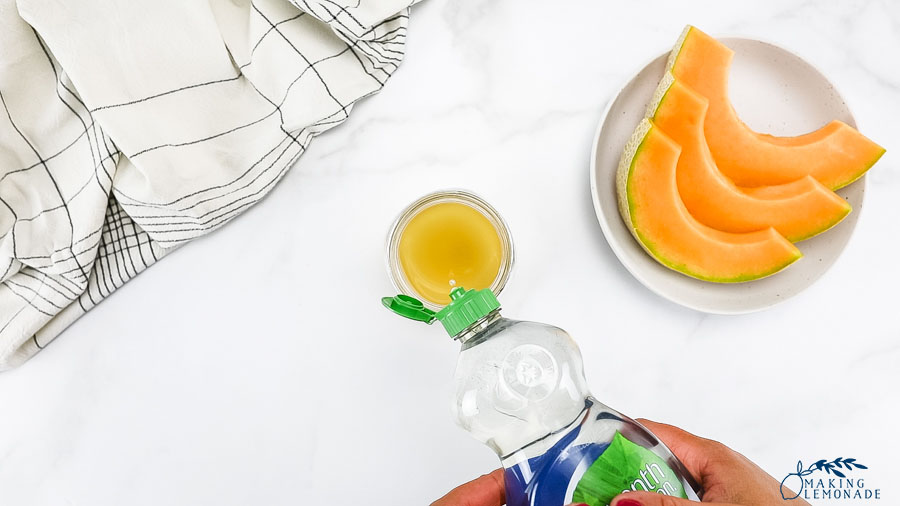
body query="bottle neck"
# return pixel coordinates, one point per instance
(478, 327)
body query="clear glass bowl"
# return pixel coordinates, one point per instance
(395, 270)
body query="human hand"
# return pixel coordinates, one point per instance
(487, 490)
(728, 478)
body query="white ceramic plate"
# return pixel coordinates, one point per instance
(774, 91)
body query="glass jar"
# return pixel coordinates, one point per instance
(395, 268)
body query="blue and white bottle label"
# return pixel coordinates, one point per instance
(591, 473)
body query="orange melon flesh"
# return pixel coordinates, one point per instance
(836, 155)
(799, 140)
(795, 211)
(780, 191)
(655, 215)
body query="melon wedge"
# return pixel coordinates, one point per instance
(796, 210)
(655, 215)
(836, 154)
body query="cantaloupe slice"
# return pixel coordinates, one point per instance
(655, 215)
(836, 154)
(796, 210)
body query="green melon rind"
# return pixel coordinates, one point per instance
(741, 278)
(630, 154)
(664, 84)
(623, 172)
(676, 50)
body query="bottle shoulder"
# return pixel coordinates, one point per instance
(522, 329)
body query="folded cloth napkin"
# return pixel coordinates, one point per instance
(130, 127)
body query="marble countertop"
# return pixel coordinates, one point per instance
(290, 384)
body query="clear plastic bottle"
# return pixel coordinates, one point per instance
(520, 389)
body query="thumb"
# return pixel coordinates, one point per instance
(653, 499)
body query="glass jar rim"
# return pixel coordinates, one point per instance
(466, 197)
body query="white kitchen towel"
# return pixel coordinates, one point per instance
(130, 127)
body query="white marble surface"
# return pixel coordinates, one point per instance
(290, 384)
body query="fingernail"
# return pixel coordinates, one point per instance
(627, 502)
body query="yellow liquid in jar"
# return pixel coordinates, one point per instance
(446, 245)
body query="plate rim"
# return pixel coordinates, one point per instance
(622, 256)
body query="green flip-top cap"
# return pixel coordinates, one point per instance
(466, 307)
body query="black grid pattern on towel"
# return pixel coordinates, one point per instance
(65, 281)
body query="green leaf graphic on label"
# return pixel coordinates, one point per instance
(625, 466)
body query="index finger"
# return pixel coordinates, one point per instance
(487, 490)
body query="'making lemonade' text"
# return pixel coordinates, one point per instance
(838, 488)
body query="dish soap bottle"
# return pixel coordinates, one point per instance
(520, 389)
